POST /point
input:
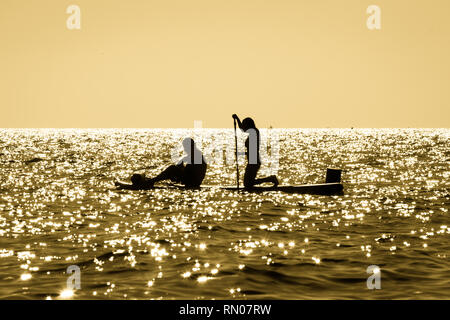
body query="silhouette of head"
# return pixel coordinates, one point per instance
(248, 123)
(188, 145)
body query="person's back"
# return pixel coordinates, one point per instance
(194, 175)
(195, 169)
(252, 144)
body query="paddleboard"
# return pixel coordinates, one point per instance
(319, 189)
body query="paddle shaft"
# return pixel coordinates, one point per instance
(236, 153)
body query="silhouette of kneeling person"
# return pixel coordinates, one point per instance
(189, 171)
(252, 144)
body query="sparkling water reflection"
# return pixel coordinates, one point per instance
(58, 208)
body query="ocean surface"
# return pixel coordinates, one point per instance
(59, 207)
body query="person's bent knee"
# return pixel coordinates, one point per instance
(249, 184)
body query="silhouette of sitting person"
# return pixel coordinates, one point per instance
(252, 144)
(189, 171)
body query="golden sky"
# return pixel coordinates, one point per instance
(166, 63)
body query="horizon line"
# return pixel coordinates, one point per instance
(191, 128)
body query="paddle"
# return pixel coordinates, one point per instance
(236, 146)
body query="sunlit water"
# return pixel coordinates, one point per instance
(62, 210)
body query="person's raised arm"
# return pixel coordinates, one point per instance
(238, 120)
